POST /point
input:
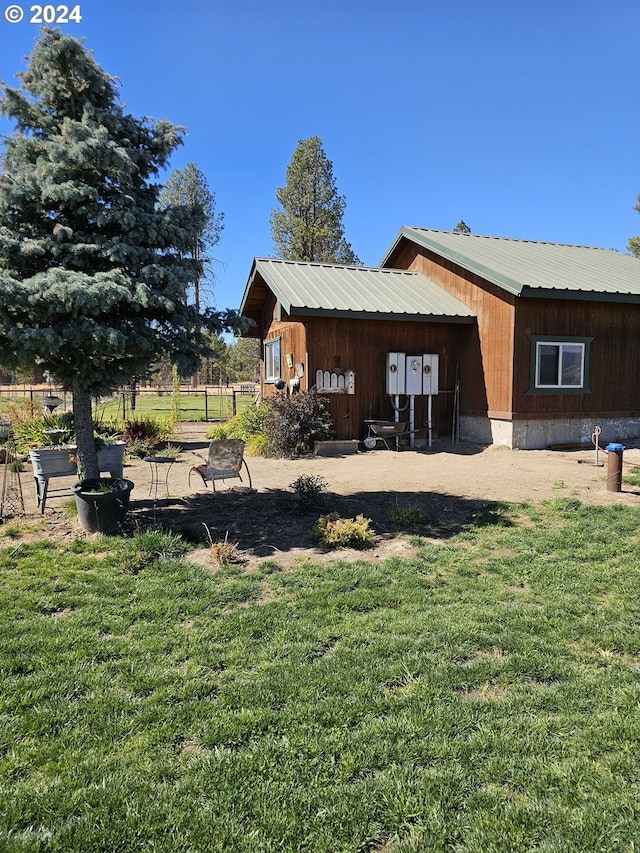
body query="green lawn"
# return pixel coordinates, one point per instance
(192, 406)
(482, 696)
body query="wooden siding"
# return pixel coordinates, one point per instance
(487, 358)
(336, 344)
(497, 366)
(614, 357)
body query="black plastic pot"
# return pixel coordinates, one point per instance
(101, 510)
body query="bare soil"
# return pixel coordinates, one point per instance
(449, 483)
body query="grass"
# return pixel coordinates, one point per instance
(192, 406)
(481, 696)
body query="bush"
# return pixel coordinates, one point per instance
(28, 429)
(142, 435)
(250, 426)
(309, 490)
(335, 532)
(297, 422)
(407, 516)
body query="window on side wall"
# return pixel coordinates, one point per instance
(559, 365)
(272, 360)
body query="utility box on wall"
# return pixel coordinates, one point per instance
(413, 375)
(395, 373)
(430, 366)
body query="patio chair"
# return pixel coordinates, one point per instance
(224, 461)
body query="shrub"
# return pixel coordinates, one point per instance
(297, 422)
(335, 532)
(28, 429)
(250, 426)
(406, 516)
(309, 490)
(142, 435)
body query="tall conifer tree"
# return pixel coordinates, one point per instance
(634, 242)
(188, 187)
(309, 226)
(93, 275)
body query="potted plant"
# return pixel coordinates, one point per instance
(102, 503)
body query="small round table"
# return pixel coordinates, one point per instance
(160, 467)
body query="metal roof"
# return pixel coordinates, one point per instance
(351, 291)
(529, 268)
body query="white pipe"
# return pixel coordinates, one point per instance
(411, 417)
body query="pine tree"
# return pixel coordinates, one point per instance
(188, 187)
(309, 226)
(634, 242)
(93, 275)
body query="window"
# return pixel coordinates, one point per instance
(272, 360)
(559, 365)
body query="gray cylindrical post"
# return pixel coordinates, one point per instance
(614, 467)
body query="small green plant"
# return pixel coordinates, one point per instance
(103, 487)
(309, 490)
(406, 516)
(332, 531)
(170, 451)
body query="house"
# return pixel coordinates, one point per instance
(536, 343)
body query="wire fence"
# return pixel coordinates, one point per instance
(209, 403)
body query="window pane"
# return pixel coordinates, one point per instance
(272, 359)
(572, 364)
(548, 360)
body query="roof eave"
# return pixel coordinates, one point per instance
(305, 311)
(579, 295)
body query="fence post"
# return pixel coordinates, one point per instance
(206, 404)
(233, 402)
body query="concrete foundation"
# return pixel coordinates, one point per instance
(539, 434)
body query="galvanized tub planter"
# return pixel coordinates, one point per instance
(110, 458)
(102, 503)
(48, 462)
(59, 461)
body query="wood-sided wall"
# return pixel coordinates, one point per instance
(614, 357)
(338, 344)
(496, 378)
(486, 386)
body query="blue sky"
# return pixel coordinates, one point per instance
(521, 118)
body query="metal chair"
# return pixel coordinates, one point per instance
(224, 461)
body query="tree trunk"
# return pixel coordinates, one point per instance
(83, 423)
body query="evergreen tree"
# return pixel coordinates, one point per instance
(188, 187)
(634, 242)
(309, 226)
(93, 275)
(243, 362)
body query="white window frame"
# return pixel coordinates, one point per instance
(272, 366)
(561, 344)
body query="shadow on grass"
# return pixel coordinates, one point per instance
(264, 522)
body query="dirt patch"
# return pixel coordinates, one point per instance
(448, 483)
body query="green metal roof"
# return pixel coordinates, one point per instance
(349, 291)
(529, 268)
